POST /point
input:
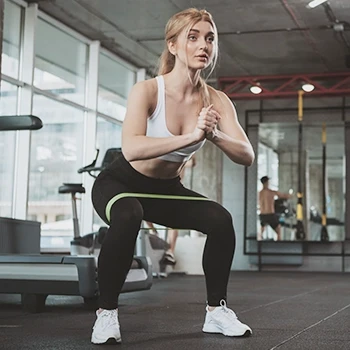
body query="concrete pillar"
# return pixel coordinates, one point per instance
(204, 177)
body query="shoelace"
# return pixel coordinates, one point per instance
(108, 318)
(229, 313)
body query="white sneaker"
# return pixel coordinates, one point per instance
(224, 320)
(106, 329)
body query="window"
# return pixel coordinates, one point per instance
(11, 40)
(115, 82)
(56, 155)
(60, 63)
(58, 93)
(8, 103)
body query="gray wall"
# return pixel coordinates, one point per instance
(233, 178)
(207, 174)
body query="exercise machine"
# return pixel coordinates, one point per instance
(88, 244)
(35, 275)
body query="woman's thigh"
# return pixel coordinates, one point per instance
(186, 209)
(105, 188)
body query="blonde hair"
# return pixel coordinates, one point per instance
(185, 20)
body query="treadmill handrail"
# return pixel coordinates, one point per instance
(20, 122)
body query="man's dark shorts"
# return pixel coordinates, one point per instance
(269, 219)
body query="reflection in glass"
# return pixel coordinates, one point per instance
(278, 159)
(8, 103)
(56, 155)
(60, 63)
(11, 39)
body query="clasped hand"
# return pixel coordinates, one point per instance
(207, 123)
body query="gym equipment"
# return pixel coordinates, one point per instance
(324, 231)
(153, 247)
(20, 122)
(35, 276)
(300, 232)
(89, 244)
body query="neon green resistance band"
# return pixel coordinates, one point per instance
(147, 195)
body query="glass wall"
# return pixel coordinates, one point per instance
(115, 82)
(56, 155)
(11, 47)
(11, 40)
(57, 95)
(56, 71)
(8, 106)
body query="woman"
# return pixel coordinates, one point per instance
(167, 120)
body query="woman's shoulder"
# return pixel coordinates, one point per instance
(216, 94)
(219, 98)
(145, 89)
(149, 85)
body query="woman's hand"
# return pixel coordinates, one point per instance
(212, 130)
(206, 123)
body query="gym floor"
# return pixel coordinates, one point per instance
(285, 310)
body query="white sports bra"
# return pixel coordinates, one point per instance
(156, 127)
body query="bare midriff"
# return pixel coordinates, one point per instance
(158, 168)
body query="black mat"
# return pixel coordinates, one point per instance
(285, 310)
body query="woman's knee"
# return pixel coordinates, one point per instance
(219, 220)
(126, 211)
(218, 215)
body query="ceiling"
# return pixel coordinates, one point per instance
(256, 37)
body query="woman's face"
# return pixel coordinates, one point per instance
(197, 45)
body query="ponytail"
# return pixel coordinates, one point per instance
(166, 62)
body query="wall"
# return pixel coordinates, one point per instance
(206, 178)
(233, 178)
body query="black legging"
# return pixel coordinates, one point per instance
(127, 212)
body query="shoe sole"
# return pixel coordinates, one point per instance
(109, 341)
(165, 261)
(216, 330)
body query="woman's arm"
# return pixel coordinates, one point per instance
(135, 144)
(229, 136)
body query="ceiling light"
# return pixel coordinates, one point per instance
(255, 89)
(315, 3)
(307, 87)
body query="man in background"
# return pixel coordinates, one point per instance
(267, 208)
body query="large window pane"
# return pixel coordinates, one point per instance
(115, 82)
(60, 63)
(109, 135)
(8, 103)
(56, 155)
(11, 39)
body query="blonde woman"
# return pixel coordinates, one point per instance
(168, 119)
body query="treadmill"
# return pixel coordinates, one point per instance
(35, 276)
